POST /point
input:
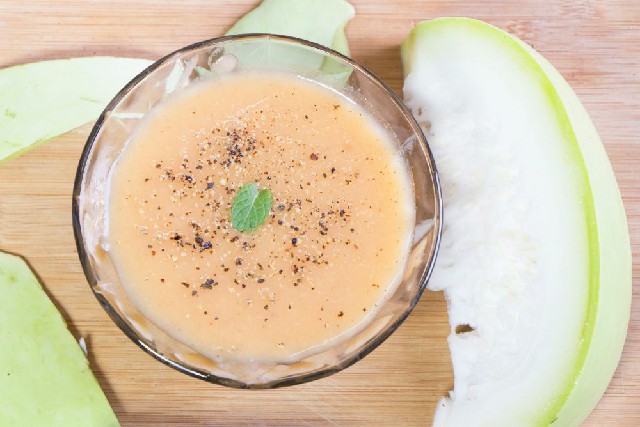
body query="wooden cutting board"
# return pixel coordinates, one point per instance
(594, 44)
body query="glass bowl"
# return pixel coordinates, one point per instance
(210, 59)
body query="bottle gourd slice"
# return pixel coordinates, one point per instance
(535, 257)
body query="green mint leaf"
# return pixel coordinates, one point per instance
(250, 207)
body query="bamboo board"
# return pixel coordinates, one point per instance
(594, 44)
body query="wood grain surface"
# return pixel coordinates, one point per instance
(594, 44)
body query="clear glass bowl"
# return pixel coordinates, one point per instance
(209, 59)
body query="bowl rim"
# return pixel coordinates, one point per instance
(134, 336)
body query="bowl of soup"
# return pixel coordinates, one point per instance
(346, 211)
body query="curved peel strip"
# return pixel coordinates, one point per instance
(615, 267)
(42, 100)
(535, 256)
(319, 21)
(45, 378)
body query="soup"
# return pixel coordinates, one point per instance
(332, 247)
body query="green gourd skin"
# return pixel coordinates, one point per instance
(45, 378)
(42, 100)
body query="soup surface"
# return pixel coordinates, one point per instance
(334, 243)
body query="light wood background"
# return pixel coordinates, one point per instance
(594, 44)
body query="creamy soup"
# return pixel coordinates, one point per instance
(335, 241)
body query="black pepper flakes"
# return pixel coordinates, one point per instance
(209, 284)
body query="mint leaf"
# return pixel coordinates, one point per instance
(250, 207)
